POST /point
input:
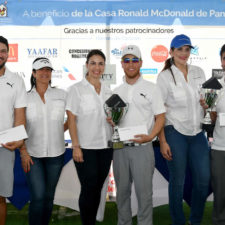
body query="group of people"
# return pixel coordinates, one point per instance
(170, 109)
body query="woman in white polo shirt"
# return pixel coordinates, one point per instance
(43, 153)
(182, 142)
(90, 132)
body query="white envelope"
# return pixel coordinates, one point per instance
(128, 133)
(13, 134)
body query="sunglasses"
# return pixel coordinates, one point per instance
(133, 60)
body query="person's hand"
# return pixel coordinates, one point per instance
(141, 138)
(109, 120)
(203, 103)
(213, 116)
(26, 161)
(13, 145)
(165, 151)
(78, 155)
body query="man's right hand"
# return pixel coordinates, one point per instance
(13, 145)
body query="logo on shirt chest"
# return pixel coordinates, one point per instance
(10, 84)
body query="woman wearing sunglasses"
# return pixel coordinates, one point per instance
(42, 155)
(90, 132)
(182, 142)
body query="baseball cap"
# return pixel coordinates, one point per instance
(41, 63)
(180, 40)
(131, 50)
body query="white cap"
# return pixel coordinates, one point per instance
(41, 63)
(131, 50)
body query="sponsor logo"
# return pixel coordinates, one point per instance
(13, 53)
(159, 53)
(79, 53)
(196, 57)
(116, 52)
(3, 10)
(70, 75)
(42, 52)
(57, 74)
(194, 51)
(149, 71)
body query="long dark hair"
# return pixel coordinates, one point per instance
(32, 78)
(168, 64)
(95, 52)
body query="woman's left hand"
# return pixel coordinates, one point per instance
(78, 155)
(109, 120)
(26, 161)
(141, 138)
(203, 104)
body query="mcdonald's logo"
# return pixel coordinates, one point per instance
(13, 53)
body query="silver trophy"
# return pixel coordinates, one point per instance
(116, 109)
(210, 92)
(210, 96)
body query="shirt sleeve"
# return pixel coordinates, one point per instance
(157, 102)
(73, 100)
(162, 87)
(21, 94)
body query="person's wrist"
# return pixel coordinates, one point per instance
(75, 146)
(24, 154)
(150, 138)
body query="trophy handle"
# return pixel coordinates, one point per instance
(107, 110)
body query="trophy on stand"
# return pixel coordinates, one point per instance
(210, 92)
(115, 108)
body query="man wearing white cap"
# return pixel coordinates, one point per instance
(12, 113)
(135, 162)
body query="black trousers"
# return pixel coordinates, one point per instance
(218, 186)
(92, 174)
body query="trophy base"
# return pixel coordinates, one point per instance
(209, 129)
(115, 145)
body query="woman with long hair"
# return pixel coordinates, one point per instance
(43, 153)
(90, 132)
(182, 142)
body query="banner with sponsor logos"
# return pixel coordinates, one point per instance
(65, 31)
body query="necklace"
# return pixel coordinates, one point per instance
(97, 88)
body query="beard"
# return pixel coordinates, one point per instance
(2, 65)
(133, 75)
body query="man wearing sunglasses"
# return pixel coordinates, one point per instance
(135, 162)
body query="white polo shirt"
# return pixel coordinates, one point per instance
(145, 101)
(219, 130)
(45, 123)
(92, 128)
(12, 95)
(183, 109)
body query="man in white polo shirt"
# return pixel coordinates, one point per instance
(218, 153)
(136, 163)
(12, 113)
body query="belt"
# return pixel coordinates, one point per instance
(133, 144)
